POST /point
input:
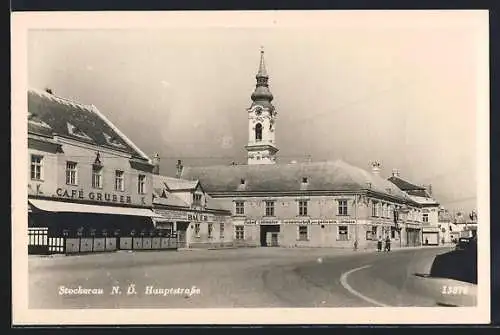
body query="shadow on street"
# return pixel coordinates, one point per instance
(458, 265)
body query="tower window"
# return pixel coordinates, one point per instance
(258, 132)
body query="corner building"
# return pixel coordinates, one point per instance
(88, 184)
(313, 204)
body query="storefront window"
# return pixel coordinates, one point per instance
(240, 232)
(210, 230)
(197, 230)
(303, 236)
(343, 233)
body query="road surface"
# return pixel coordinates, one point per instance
(254, 277)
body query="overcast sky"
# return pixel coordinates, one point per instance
(404, 95)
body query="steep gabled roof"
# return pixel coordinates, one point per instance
(176, 184)
(405, 185)
(321, 176)
(51, 115)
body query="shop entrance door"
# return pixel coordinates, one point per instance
(269, 235)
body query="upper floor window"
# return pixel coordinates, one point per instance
(384, 210)
(342, 207)
(96, 176)
(239, 207)
(71, 173)
(425, 217)
(119, 180)
(141, 184)
(258, 132)
(197, 199)
(36, 167)
(374, 208)
(269, 208)
(303, 207)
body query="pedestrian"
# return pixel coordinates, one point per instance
(426, 241)
(387, 244)
(379, 243)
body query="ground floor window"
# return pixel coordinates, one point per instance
(221, 230)
(343, 233)
(210, 230)
(240, 232)
(393, 232)
(303, 233)
(197, 230)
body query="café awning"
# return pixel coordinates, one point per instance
(71, 207)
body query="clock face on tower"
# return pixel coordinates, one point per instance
(258, 111)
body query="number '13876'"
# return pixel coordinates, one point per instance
(453, 289)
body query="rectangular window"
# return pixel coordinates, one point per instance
(374, 232)
(342, 207)
(269, 208)
(197, 199)
(221, 231)
(197, 229)
(343, 233)
(240, 232)
(141, 184)
(393, 232)
(97, 176)
(36, 167)
(210, 230)
(425, 217)
(303, 236)
(374, 208)
(119, 180)
(303, 207)
(240, 207)
(71, 173)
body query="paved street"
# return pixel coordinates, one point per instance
(254, 277)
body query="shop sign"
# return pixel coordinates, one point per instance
(323, 221)
(96, 196)
(172, 215)
(200, 217)
(269, 222)
(297, 221)
(250, 221)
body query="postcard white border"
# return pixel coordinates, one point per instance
(23, 21)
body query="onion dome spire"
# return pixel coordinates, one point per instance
(262, 95)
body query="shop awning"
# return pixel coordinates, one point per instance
(71, 207)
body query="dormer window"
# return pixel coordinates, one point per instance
(197, 199)
(113, 141)
(75, 131)
(304, 180)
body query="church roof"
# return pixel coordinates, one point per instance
(321, 176)
(50, 115)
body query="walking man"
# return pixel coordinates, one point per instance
(379, 243)
(387, 244)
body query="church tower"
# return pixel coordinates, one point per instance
(261, 147)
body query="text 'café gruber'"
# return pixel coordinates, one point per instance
(98, 196)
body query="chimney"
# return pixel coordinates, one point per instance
(395, 172)
(156, 164)
(376, 168)
(179, 168)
